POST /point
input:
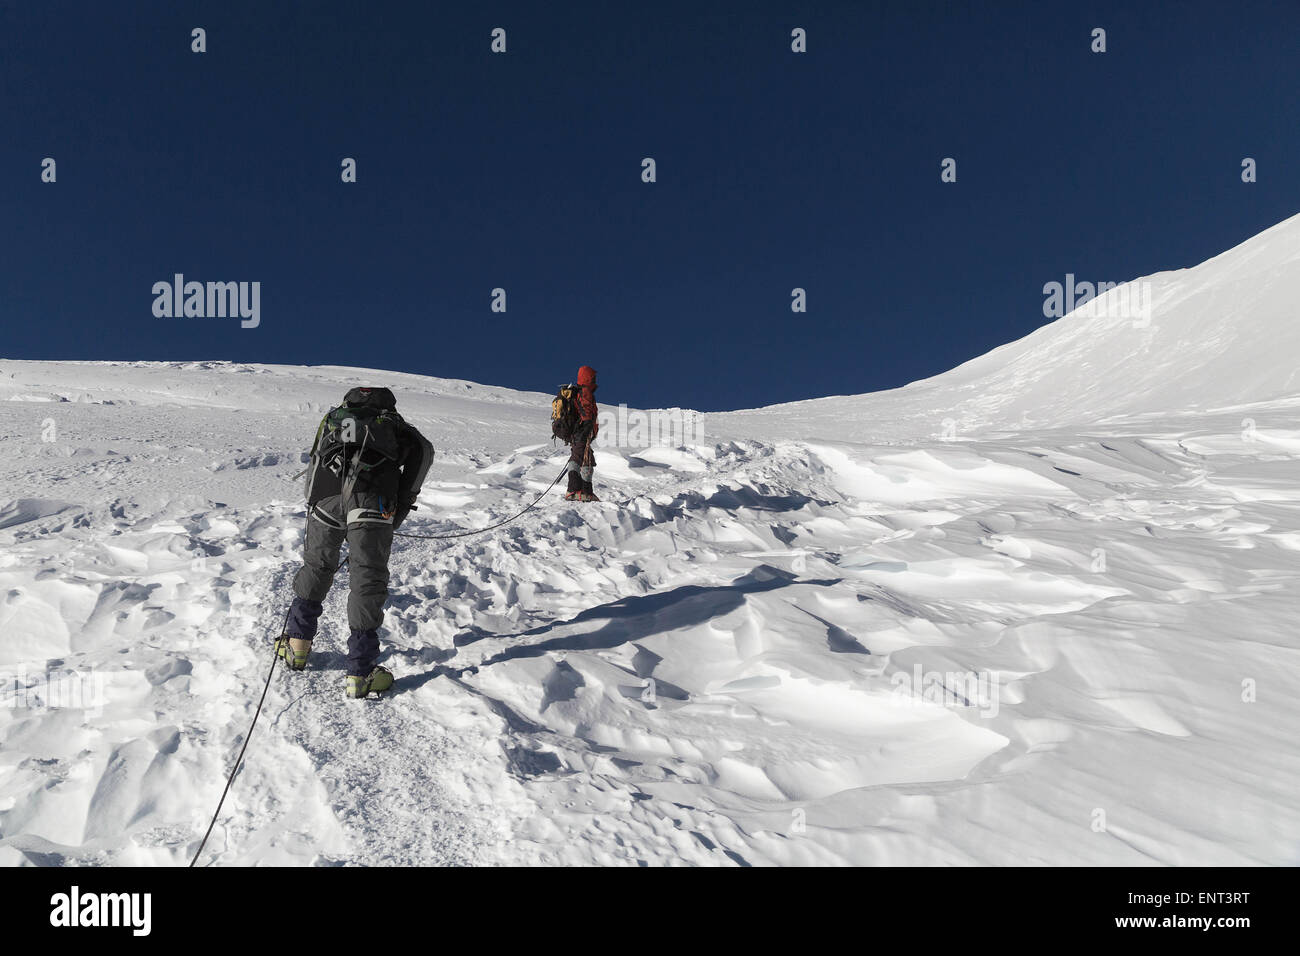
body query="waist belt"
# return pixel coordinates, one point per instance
(369, 516)
(355, 516)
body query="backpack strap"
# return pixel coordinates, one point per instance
(354, 469)
(311, 456)
(320, 431)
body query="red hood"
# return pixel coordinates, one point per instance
(587, 376)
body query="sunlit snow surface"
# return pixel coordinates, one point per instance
(1041, 609)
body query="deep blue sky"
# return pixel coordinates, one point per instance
(522, 171)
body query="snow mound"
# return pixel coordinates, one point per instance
(24, 510)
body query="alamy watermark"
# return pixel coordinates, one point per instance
(133, 911)
(977, 689)
(208, 300)
(1116, 300)
(53, 690)
(625, 427)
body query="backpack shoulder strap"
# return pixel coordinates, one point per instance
(320, 430)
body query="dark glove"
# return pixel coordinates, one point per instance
(399, 515)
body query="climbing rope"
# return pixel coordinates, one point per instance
(491, 527)
(275, 656)
(275, 650)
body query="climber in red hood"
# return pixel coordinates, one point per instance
(582, 460)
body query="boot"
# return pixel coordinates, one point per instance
(575, 487)
(293, 651)
(380, 680)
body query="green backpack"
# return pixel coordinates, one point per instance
(362, 434)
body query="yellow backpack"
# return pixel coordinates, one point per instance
(564, 413)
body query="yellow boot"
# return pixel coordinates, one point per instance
(293, 651)
(380, 680)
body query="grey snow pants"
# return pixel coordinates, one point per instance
(370, 542)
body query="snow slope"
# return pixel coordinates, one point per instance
(1216, 336)
(1057, 629)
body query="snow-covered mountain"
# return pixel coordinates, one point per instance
(1038, 609)
(1219, 335)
